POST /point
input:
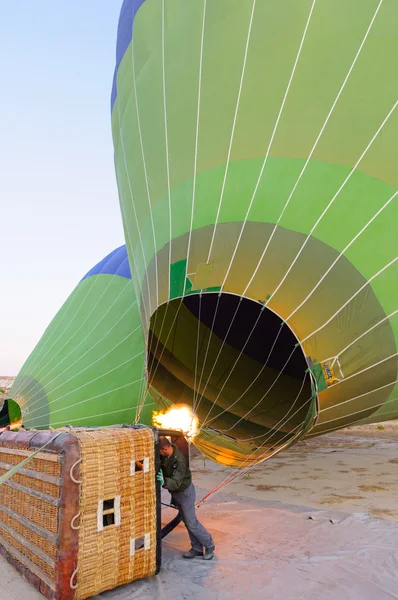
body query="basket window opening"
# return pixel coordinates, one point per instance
(139, 543)
(139, 466)
(108, 513)
(143, 543)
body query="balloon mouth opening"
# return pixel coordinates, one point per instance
(10, 415)
(236, 363)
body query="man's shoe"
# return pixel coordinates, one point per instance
(209, 553)
(192, 553)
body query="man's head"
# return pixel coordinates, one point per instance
(165, 447)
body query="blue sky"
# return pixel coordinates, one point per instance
(59, 211)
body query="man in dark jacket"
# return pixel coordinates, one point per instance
(178, 481)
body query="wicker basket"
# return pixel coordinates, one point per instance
(83, 516)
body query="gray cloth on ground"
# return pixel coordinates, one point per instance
(185, 502)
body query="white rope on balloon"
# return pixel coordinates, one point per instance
(255, 437)
(135, 216)
(241, 352)
(359, 411)
(58, 364)
(145, 170)
(342, 253)
(195, 165)
(166, 135)
(337, 356)
(353, 170)
(314, 145)
(196, 407)
(36, 363)
(327, 322)
(113, 412)
(313, 149)
(80, 387)
(334, 385)
(271, 141)
(302, 40)
(240, 470)
(368, 282)
(207, 421)
(233, 128)
(378, 389)
(76, 374)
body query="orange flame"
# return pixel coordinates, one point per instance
(16, 424)
(178, 418)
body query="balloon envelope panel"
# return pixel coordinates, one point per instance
(88, 367)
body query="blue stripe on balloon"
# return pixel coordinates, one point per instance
(124, 34)
(116, 263)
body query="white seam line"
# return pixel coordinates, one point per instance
(270, 145)
(233, 128)
(268, 150)
(45, 386)
(78, 345)
(86, 384)
(91, 416)
(166, 137)
(349, 300)
(353, 170)
(89, 292)
(358, 411)
(135, 216)
(342, 254)
(314, 146)
(261, 399)
(359, 396)
(290, 409)
(145, 170)
(196, 140)
(92, 398)
(363, 334)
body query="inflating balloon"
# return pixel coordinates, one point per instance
(255, 153)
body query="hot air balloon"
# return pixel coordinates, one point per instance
(255, 155)
(88, 367)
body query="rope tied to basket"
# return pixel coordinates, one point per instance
(21, 465)
(78, 481)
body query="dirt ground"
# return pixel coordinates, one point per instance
(353, 470)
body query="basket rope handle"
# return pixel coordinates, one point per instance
(71, 472)
(73, 586)
(72, 523)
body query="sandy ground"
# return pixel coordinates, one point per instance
(354, 470)
(315, 523)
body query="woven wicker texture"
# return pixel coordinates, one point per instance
(34, 509)
(36, 464)
(28, 509)
(37, 540)
(107, 557)
(35, 484)
(30, 554)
